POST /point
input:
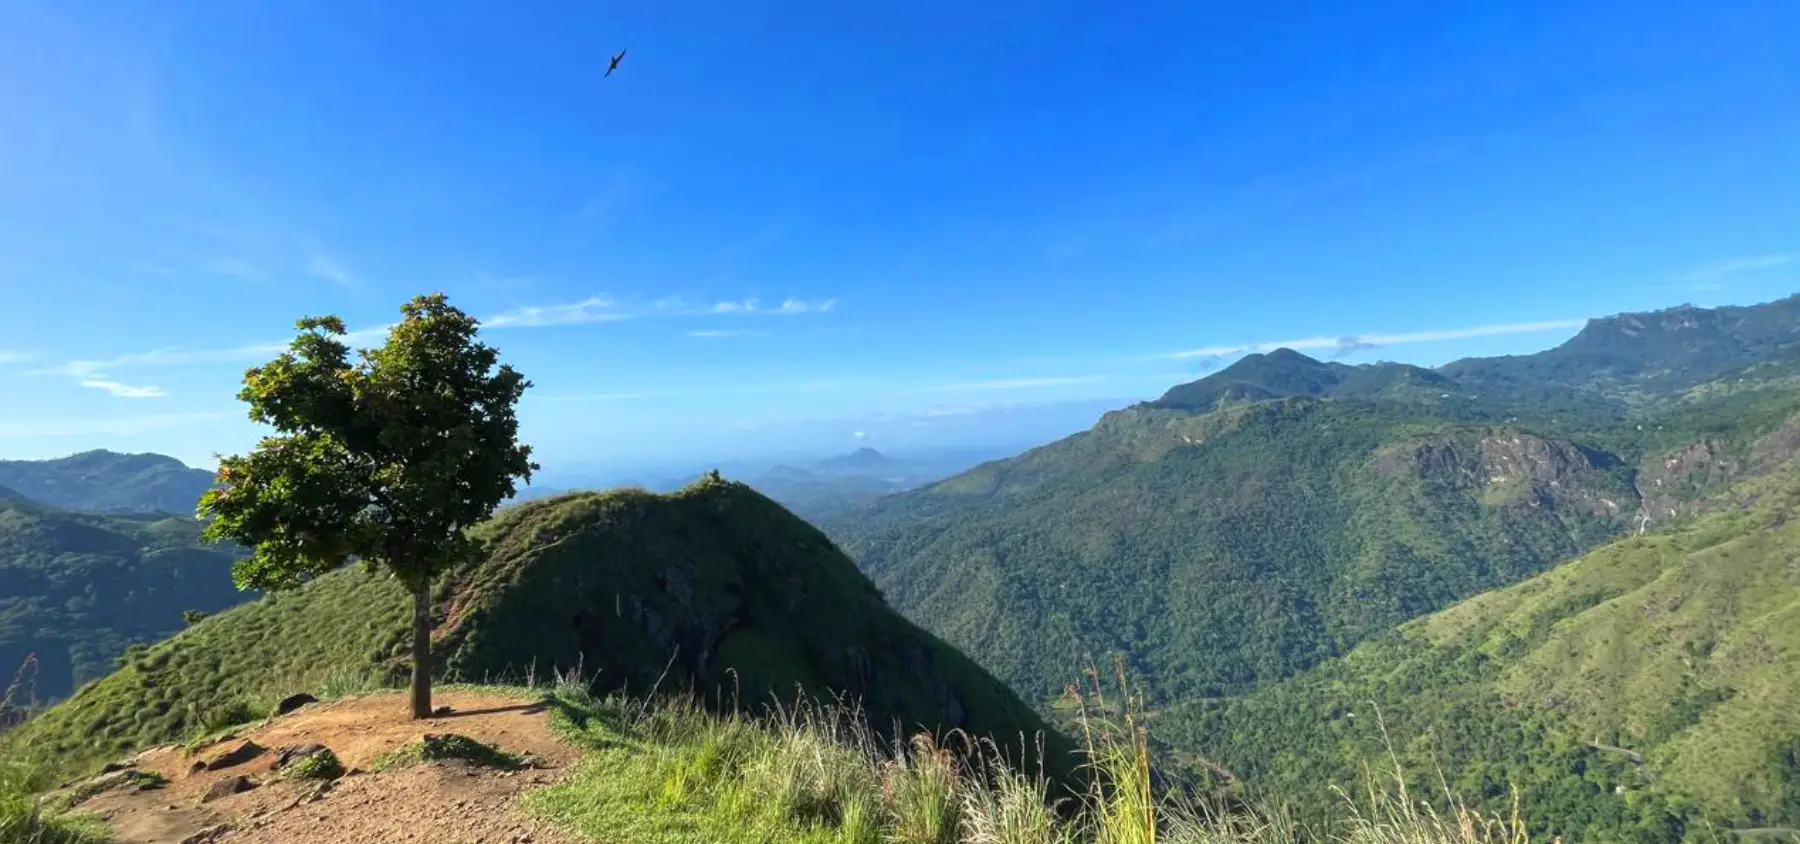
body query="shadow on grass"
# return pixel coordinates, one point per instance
(522, 708)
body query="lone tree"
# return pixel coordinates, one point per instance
(385, 459)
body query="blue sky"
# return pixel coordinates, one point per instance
(782, 225)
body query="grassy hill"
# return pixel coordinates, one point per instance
(109, 482)
(714, 588)
(1647, 687)
(77, 589)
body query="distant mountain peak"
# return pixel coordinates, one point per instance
(864, 459)
(1287, 355)
(108, 481)
(1669, 349)
(1286, 373)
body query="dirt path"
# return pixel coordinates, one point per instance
(449, 802)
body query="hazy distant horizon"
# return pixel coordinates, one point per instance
(570, 457)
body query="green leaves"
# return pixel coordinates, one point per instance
(386, 458)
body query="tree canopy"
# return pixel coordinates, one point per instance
(386, 458)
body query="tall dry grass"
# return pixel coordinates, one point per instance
(674, 770)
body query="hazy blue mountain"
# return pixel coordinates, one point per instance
(109, 482)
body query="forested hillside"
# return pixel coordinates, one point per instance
(1247, 526)
(1632, 694)
(76, 589)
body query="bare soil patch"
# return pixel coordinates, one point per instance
(451, 802)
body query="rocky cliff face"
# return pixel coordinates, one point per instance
(1672, 485)
(1512, 468)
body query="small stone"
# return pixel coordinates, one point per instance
(293, 702)
(211, 833)
(227, 787)
(236, 756)
(289, 755)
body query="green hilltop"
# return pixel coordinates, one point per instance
(714, 589)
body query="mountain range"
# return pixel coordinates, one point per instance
(1248, 531)
(1567, 573)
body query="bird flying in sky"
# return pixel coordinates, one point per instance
(615, 64)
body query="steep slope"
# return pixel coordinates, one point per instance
(1246, 526)
(109, 482)
(77, 589)
(1223, 551)
(714, 588)
(1634, 693)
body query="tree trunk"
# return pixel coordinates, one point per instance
(421, 650)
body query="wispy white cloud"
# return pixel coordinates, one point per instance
(590, 310)
(1020, 383)
(237, 268)
(744, 307)
(12, 356)
(797, 306)
(716, 390)
(323, 266)
(93, 373)
(124, 391)
(886, 387)
(788, 306)
(605, 309)
(942, 411)
(124, 426)
(1365, 341)
(1713, 276)
(609, 198)
(172, 356)
(594, 309)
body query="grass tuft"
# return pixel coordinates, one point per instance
(322, 765)
(435, 747)
(26, 818)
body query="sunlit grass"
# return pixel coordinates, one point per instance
(672, 771)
